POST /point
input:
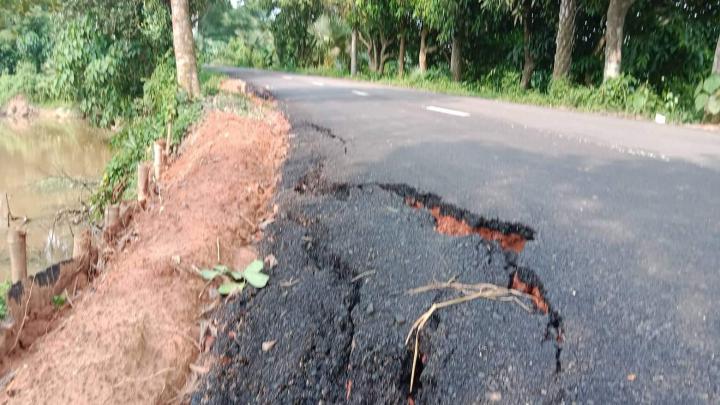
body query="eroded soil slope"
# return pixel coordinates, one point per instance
(132, 339)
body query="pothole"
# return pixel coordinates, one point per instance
(454, 221)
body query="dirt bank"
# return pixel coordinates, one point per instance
(133, 336)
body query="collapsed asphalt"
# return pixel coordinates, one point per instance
(626, 248)
(340, 311)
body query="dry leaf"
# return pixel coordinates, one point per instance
(268, 345)
(271, 261)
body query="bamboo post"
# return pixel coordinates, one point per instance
(168, 140)
(4, 210)
(143, 183)
(112, 221)
(158, 158)
(81, 244)
(18, 254)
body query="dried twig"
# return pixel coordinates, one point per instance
(22, 324)
(363, 275)
(472, 292)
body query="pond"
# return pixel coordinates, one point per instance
(47, 165)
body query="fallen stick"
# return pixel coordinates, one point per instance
(481, 290)
(22, 324)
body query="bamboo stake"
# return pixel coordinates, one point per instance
(4, 210)
(143, 183)
(158, 158)
(18, 254)
(81, 244)
(168, 139)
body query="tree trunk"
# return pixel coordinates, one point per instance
(456, 58)
(716, 63)
(184, 46)
(384, 55)
(422, 57)
(565, 39)
(614, 37)
(401, 57)
(353, 53)
(529, 63)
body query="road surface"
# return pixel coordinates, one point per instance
(626, 216)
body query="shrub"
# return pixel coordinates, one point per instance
(707, 97)
(160, 105)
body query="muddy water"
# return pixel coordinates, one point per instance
(43, 164)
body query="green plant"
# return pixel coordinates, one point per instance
(59, 301)
(4, 287)
(234, 281)
(161, 104)
(707, 95)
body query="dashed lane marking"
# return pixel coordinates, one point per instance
(447, 111)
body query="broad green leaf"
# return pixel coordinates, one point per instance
(712, 83)
(255, 267)
(221, 269)
(713, 105)
(238, 276)
(208, 274)
(257, 280)
(700, 101)
(699, 88)
(230, 288)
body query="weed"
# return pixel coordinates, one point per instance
(4, 287)
(234, 281)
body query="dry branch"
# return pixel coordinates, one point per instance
(471, 292)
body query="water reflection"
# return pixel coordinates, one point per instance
(40, 164)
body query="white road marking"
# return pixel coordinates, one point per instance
(286, 77)
(318, 83)
(360, 93)
(447, 111)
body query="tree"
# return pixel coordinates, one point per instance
(425, 49)
(565, 39)
(376, 30)
(453, 20)
(184, 45)
(522, 12)
(614, 36)
(716, 62)
(353, 52)
(291, 19)
(404, 15)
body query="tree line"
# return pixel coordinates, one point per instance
(587, 41)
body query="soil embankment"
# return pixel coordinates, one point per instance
(134, 334)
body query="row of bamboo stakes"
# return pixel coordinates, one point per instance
(17, 238)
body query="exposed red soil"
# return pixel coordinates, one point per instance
(448, 225)
(133, 336)
(534, 291)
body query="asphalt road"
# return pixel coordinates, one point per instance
(627, 243)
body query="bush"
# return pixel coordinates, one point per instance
(25, 81)
(707, 97)
(100, 61)
(161, 104)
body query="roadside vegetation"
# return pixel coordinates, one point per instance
(112, 61)
(635, 57)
